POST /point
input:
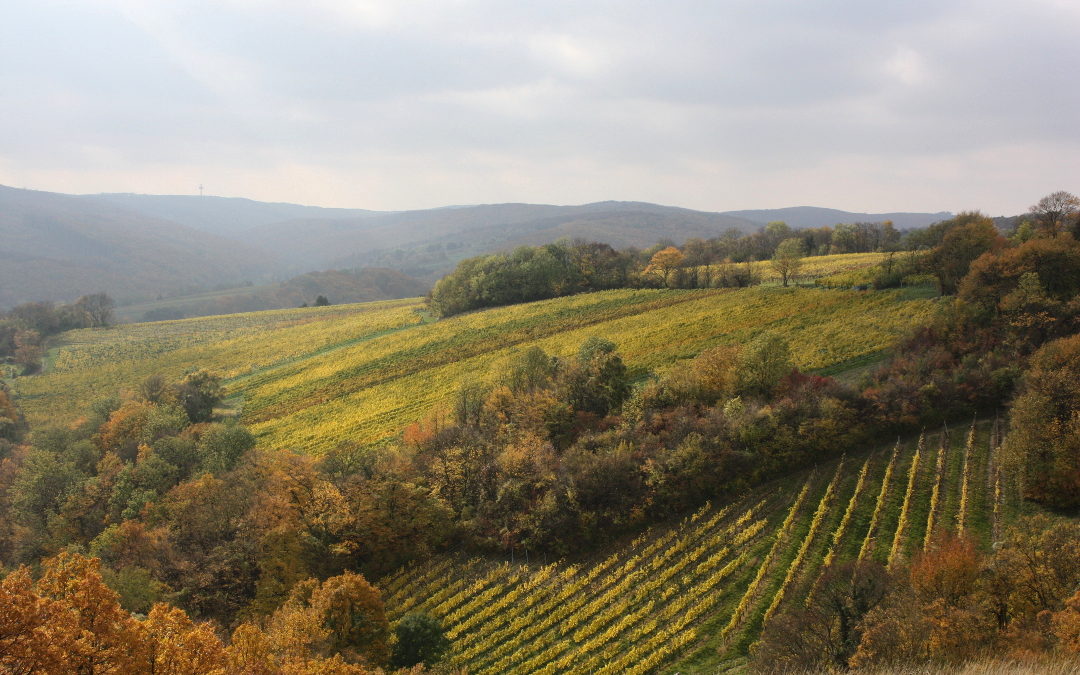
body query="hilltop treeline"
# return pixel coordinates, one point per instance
(564, 268)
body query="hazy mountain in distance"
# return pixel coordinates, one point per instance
(814, 216)
(58, 247)
(136, 247)
(228, 216)
(470, 230)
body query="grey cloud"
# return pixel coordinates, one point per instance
(466, 89)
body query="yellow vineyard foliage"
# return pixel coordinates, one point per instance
(310, 379)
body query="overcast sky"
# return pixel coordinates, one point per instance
(715, 105)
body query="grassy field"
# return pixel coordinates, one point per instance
(308, 379)
(692, 598)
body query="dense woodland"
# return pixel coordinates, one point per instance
(156, 531)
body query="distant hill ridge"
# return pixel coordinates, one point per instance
(58, 247)
(137, 247)
(816, 216)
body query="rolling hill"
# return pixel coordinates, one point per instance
(309, 379)
(687, 597)
(139, 247)
(224, 216)
(690, 595)
(58, 247)
(430, 242)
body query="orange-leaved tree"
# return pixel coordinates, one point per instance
(664, 262)
(337, 626)
(69, 621)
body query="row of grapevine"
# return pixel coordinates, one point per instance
(995, 472)
(750, 595)
(935, 495)
(815, 525)
(849, 511)
(965, 486)
(905, 508)
(879, 505)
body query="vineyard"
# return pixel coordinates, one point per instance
(821, 266)
(91, 362)
(693, 597)
(309, 379)
(835, 271)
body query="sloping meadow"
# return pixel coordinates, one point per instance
(308, 379)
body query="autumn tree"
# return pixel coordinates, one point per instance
(338, 625)
(992, 278)
(707, 378)
(532, 369)
(198, 393)
(762, 363)
(12, 424)
(1066, 624)
(1042, 559)
(788, 259)
(1056, 211)
(104, 638)
(597, 381)
(824, 633)
(664, 262)
(175, 645)
(28, 350)
(948, 570)
(771, 235)
(966, 237)
(221, 446)
(95, 310)
(35, 632)
(1044, 438)
(154, 389)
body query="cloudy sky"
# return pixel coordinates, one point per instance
(713, 104)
